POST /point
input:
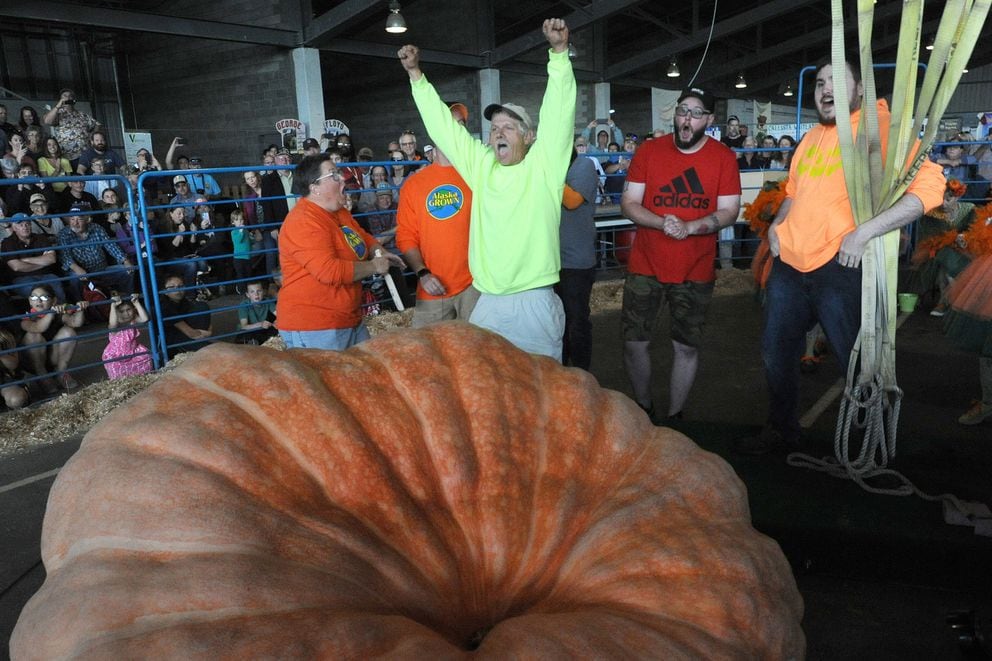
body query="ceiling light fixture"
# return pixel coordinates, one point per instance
(930, 45)
(673, 70)
(395, 24)
(573, 52)
(741, 83)
(788, 89)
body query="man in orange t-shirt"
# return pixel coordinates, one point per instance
(432, 230)
(817, 250)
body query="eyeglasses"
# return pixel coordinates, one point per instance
(43, 297)
(697, 113)
(336, 176)
(407, 144)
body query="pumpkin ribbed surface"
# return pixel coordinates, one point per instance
(430, 494)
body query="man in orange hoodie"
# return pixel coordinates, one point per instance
(817, 250)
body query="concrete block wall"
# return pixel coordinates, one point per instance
(223, 98)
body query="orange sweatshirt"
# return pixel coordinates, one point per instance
(821, 215)
(317, 251)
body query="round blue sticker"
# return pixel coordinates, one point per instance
(356, 241)
(445, 201)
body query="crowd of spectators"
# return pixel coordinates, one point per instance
(63, 240)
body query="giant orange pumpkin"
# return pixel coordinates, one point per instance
(431, 495)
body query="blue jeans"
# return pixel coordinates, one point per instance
(334, 339)
(796, 301)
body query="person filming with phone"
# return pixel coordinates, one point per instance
(71, 127)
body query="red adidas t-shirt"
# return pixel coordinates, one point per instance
(686, 186)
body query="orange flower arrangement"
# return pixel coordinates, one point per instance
(956, 187)
(760, 213)
(979, 235)
(928, 248)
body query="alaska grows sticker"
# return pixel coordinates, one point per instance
(445, 201)
(355, 241)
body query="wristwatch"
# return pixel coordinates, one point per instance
(422, 272)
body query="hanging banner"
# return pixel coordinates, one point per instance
(135, 140)
(293, 132)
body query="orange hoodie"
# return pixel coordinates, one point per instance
(821, 215)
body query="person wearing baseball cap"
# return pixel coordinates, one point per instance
(682, 189)
(37, 265)
(310, 147)
(183, 196)
(50, 226)
(517, 183)
(199, 182)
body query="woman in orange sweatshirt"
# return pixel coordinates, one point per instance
(324, 256)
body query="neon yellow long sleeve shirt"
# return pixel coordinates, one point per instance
(513, 239)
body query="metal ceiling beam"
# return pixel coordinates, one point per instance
(774, 80)
(807, 40)
(765, 12)
(596, 11)
(80, 15)
(388, 51)
(334, 21)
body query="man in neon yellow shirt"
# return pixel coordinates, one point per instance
(517, 184)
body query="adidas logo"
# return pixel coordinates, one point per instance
(684, 192)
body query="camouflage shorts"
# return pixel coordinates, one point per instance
(687, 303)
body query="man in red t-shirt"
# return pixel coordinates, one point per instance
(681, 190)
(432, 232)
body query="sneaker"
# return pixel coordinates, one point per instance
(67, 382)
(976, 414)
(765, 441)
(939, 311)
(809, 364)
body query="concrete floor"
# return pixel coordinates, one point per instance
(879, 574)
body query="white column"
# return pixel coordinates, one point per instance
(489, 94)
(309, 90)
(602, 91)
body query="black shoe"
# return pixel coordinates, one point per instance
(675, 416)
(652, 415)
(765, 441)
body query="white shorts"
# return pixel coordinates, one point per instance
(532, 320)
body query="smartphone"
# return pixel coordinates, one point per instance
(601, 121)
(180, 141)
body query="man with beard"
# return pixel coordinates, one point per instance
(517, 182)
(817, 250)
(681, 190)
(98, 148)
